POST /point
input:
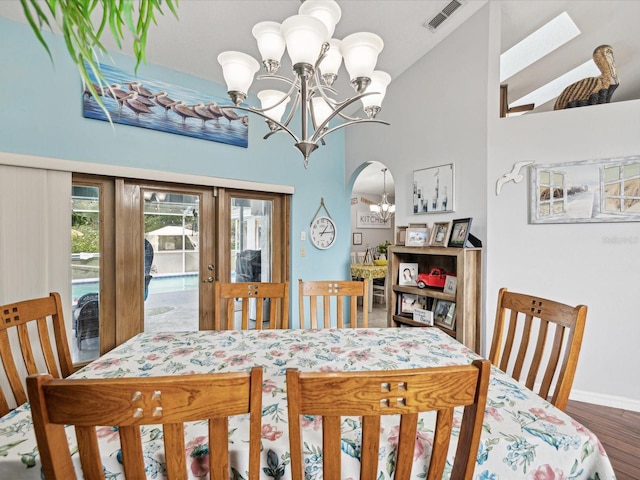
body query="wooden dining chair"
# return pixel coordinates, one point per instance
(327, 301)
(270, 297)
(551, 329)
(128, 403)
(25, 328)
(372, 394)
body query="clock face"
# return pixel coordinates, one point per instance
(322, 232)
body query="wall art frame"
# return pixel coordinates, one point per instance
(433, 189)
(357, 238)
(591, 191)
(144, 102)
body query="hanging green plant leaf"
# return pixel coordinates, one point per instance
(75, 19)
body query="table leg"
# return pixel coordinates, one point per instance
(370, 295)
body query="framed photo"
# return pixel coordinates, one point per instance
(444, 314)
(459, 232)
(357, 238)
(450, 284)
(417, 236)
(440, 234)
(407, 274)
(408, 303)
(433, 189)
(401, 235)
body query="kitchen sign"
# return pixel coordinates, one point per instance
(367, 219)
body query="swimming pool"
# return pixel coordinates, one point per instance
(158, 284)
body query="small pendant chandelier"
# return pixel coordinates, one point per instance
(383, 210)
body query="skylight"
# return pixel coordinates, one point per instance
(543, 41)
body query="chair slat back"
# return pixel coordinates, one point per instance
(277, 295)
(129, 403)
(539, 338)
(327, 302)
(37, 353)
(372, 394)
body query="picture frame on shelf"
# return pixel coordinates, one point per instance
(450, 284)
(407, 274)
(417, 236)
(433, 189)
(444, 314)
(401, 235)
(357, 238)
(459, 232)
(423, 316)
(440, 234)
(408, 303)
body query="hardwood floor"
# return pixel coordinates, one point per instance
(619, 432)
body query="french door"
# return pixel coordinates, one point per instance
(170, 237)
(159, 247)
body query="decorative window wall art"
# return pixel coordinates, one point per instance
(143, 102)
(606, 190)
(433, 189)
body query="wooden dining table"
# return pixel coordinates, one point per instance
(524, 436)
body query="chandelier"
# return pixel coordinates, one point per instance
(384, 210)
(316, 59)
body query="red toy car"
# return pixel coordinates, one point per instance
(435, 278)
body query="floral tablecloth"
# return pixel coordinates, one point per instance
(524, 436)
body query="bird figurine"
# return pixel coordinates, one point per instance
(514, 175)
(592, 90)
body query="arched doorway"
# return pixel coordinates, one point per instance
(369, 231)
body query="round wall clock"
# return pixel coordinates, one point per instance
(322, 232)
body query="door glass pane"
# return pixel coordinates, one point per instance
(250, 240)
(171, 261)
(251, 247)
(85, 272)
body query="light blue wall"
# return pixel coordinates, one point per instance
(41, 115)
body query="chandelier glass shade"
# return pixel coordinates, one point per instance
(383, 210)
(316, 59)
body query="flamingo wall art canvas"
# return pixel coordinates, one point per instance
(142, 102)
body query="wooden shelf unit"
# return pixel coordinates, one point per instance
(465, 263)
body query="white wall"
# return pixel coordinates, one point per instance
(442, 121)
(573, 263)
(453, 117)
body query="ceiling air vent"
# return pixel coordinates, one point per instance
(446, 12)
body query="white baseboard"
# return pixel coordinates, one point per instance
(606, 400)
